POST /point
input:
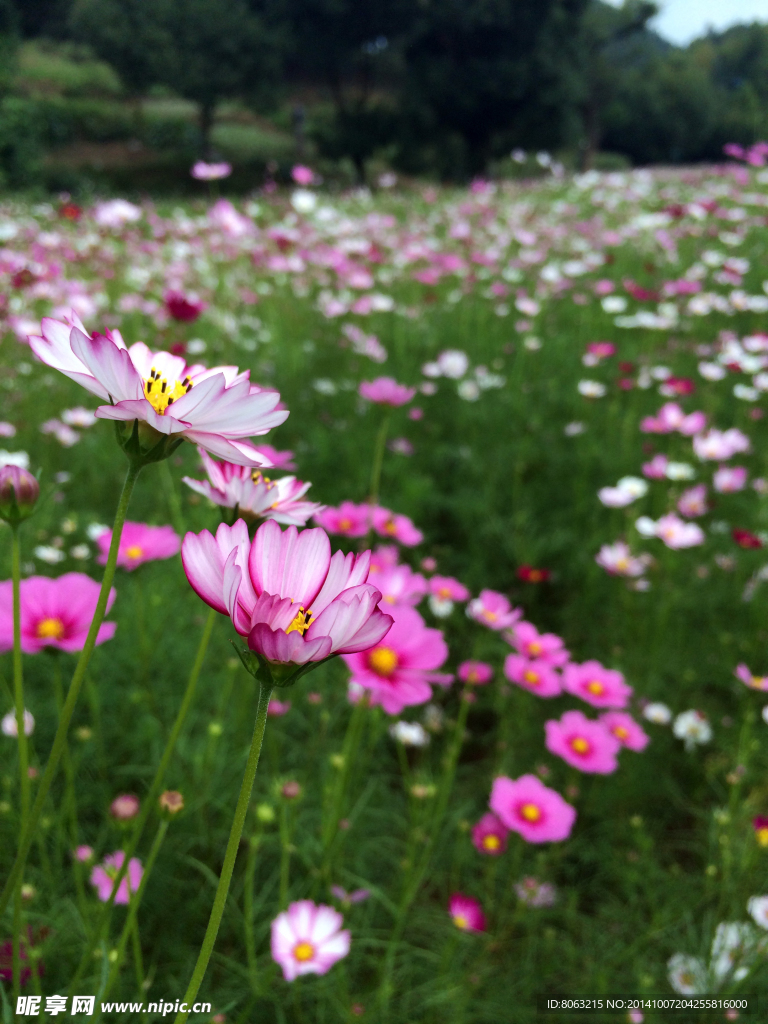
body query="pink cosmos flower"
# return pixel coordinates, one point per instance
(544, 646)
(396, 526)
(254, 495)
(693, 502)
(276, 460)
(493, 610)
(527, 806)
(83, 853)
(538, 676)
(618, 560)
(475, 672)
(587, 745)
(308, 938)
(626, 730)
(124, 807)
(54, 613)
(398, 670)
(534, 893)
(720, 444)
(447, 588)
(601, 349)
(466, 913)
(599, 686)
(284, 592)
(489, 835)
(399, 585)
(210, 172)
(139, 543)
(671, 417)
(678, 534)
(217, 409)
(656, 469)
(386, 391)
(348, 519)
(303, 175)
(278, 708)
(104, 874)
(385, 556)
(753, 682)
(728, 479)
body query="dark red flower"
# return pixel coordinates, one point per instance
(182, 308)
(23, 278)
(745, 539)
(6, 957)
(626, 367)
(70, 211)
(528, 574)
(680, 385)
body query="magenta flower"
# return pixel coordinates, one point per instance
(618, 560)
(307, 938)
(278, 708)
(386, 391)
(599, 686)
(302, 175)
(583, 743)
(527, 806)
(493, 610)
(536, 675)
(398, 584)
(348, 519)
(466, 913)
(753, 682)
(54, 613)
(398, 671)
(489, 835)
(103, 877)
(139, 543)
(543, 646)
(626, 730)
(395, 526)
(217, 409)
(254, 495)
(475, 672)
(656, 469)
(294, 602)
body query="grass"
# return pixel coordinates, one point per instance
(663, 849)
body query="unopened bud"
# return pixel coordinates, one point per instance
(171, 801)
(290, 790)
(19, 491)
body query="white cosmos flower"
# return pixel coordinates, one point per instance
(591, 388)
(687, 974)
(410, 734)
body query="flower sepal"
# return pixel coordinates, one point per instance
(19, 491)
(143, 444)
(274, 674)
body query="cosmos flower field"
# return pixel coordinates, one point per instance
(517, 751)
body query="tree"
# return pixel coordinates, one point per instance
(486, 75)
(205, 50)
(608, 44)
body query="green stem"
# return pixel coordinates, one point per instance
(285, 854)
(70, 797)
(174, 503)
(137, 958)
(250, 940)
(65, 718)
(149, 801)
(238, 822)
(378, 460)
(18, 694)
(129, 927)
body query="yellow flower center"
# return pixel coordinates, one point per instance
(596, 687)
(444, 592)
(383, 660)
(535, 576)
(50, 629)
(534, 648)
(762, 836)
(160, 394)
(489, 616)
(301, 622)
(345, 524)
(134, 551)
(303, 951)
(491, 842)
(472, 676)
(580, 745)
(758, 682)
(258, 478)
(620, 732)
(390, 527)
(531, 677)
(460, 921)
(530, 812)
(622, 564)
